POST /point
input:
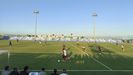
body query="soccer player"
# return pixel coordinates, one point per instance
(17, 40)
(40, 42)
(64, 55)
(10, 43)
(83, 48)
(99, 48)
(122, 47)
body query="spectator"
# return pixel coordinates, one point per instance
(14, 72)
(64, 72)
(6, 71)
(25, 71)
(42, 72)
(55, 72)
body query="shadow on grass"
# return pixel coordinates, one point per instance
(111, 59)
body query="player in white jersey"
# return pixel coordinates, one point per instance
(64, 53)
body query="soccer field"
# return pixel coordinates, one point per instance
(111, 61)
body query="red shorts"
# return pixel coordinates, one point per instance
(64, 57)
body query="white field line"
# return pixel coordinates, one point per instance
(93, 58)
(6, 51)
(87, 70)
(3, 51)
(35, 52)
(93, 70)
(102, 63)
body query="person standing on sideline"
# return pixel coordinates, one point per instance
(25, 71)
(14, 72)
(6, 71)
(64, 72)
(42, 72)
(55, 72)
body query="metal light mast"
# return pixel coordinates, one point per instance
(94, 15)
(36, 12)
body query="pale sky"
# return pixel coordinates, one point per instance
(67, 16)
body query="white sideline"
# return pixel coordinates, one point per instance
(94, 70)
(89, 70)
(93, 58)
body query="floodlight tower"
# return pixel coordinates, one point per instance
(36, 12)
(94, 15)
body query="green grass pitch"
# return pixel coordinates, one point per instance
(112, 60)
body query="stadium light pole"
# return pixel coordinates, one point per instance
(94, 15)
(36, 12)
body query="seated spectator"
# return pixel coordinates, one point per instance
(42, 72)
(25, 71)
(14, 72)
(55, 72)
(64, 72)
(6, 71)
